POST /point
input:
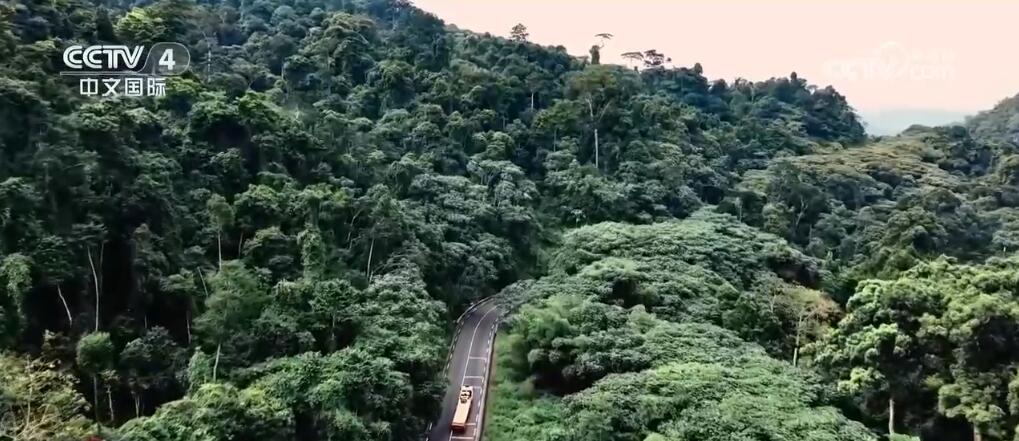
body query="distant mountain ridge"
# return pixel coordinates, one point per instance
(894, 121)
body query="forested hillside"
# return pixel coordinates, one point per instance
(278, 248)
(895, 291)
(630, 325)
(999, 125)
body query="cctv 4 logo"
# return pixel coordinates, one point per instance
(111, 57)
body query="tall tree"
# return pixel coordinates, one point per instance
(15, 281)
(221, 217)
(95, 357)
(877, 349)
(519, 32)
(601, 89)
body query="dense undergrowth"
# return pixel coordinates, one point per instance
(277, 248)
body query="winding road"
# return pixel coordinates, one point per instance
(469, 366)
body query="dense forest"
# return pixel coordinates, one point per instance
(279, 247)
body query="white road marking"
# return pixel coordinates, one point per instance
(459, 327)
(481, 404)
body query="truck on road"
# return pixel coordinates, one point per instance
(463, 408)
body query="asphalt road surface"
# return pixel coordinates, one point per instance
(468, 366)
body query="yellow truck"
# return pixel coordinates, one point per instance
(463, 408)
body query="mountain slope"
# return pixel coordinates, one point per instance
(278, 248)
(1000, 124)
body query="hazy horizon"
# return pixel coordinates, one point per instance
(894, 121)
(906, 55)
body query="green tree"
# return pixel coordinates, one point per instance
(236, 300)
(214, 411)
(979, 324)
(149, 365)
(16, 280)
(96, 357)
(877, 349)
(221, 216)
(600, 89)
(40, 403)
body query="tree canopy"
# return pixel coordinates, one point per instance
(280, 246)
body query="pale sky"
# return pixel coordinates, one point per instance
(958, 55)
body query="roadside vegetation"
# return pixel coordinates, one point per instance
(277, 249)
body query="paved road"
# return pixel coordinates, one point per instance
(468, 366)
